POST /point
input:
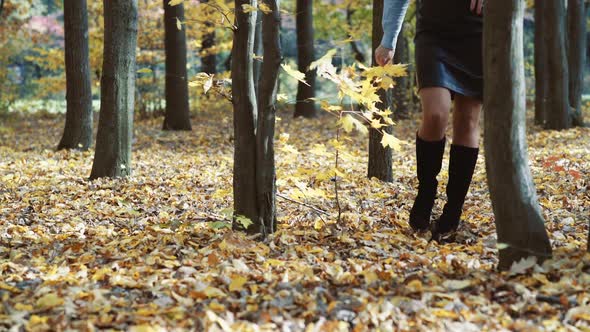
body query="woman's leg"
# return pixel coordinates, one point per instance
(430, 145)
(436, 106)
(466, 121)
(464, 152)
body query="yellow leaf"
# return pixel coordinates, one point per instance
(320, 150)
(214, 292)
(49, 301)
(175, 2)
(282, 98)
(349, 122)
(387, 70)
(502, 246)
(101, 274)
(146, 328)
(9, 288)
(178, 24)
(284, 138)
(441, 313)
(216, 306)
(376, 123)
(144, 71)
(318, 224)
(325, 62)
(208, 84)
(264, 8)
(415, 285)
(237, 283)
(294, 73)
(36, 320)
(370, 277)
(23, 307)
(455, 285)
(391, 141)
(248, 8)
(275, 262)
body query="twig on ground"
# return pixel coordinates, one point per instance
(315, 209)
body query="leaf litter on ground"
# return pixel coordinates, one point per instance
(153, 252)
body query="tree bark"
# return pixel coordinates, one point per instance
(245, 117)
(518, 218)
(258, 49)
(112, 157)
(267, 95)
(558, 110)
(177, 106)
(305, 106)
(541, 65)
(576, 13)
(208, 61)
(78, 128)
(400, 102)
(380, 160)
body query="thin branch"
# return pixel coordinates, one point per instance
(336, 178)
(216, 7)
(311, 207)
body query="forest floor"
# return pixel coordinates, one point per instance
(153, 252)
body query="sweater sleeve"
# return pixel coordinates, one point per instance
(394, 12)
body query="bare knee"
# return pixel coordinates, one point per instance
(436, 103)
(466, 121)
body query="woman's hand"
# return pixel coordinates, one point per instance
(383, 55)
(477, 6)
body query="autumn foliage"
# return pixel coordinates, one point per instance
(160, 250)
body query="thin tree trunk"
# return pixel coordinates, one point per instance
(245, 117)
(380, 161)
(227, 63)
(257, 50)
(267, 93)
(78, 128)
(541, 64)
(112, 157)
(209, 61)
(576, 13)
(558, 110)
(400, 102)
(305, 106)
(177, 106)
(356, 50)
(518, 218)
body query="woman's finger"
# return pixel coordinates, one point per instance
(473, 5)
(480, 7)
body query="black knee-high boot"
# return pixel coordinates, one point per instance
(461, 166)
(429, 160)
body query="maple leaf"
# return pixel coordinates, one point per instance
(265, 8)
(294, 73)
(523, 265)
(237, 283)
(49, 301)
(389, 140)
